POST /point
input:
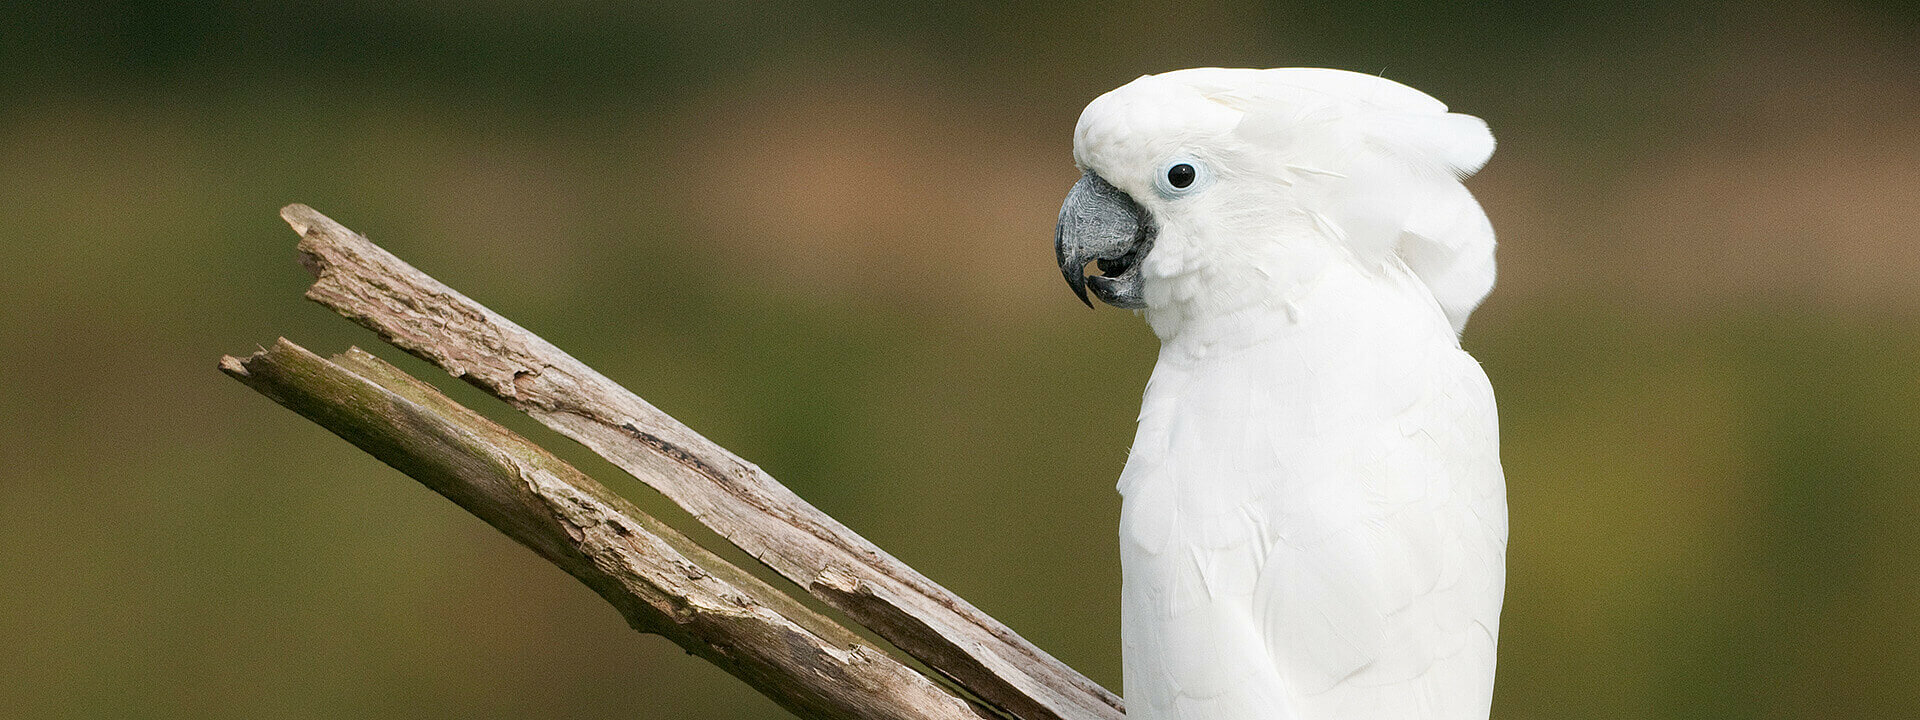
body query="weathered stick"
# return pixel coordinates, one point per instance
(659, 580)
(732, 496)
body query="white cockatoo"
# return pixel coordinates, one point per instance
(1314, 523)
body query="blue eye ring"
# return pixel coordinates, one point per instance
(1182, 175)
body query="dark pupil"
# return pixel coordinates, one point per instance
(1180, 175)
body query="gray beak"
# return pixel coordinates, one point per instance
(1101, 223)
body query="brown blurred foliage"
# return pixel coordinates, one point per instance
(820, 234)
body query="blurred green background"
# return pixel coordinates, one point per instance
(820, 234)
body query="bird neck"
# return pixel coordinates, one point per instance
(1204, 303)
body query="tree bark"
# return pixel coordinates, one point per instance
(732, 496)
(659, 580)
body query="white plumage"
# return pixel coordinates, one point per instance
(1314, 524)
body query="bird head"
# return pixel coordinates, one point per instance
(1211, 189)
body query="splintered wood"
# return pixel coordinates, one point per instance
(735, 498)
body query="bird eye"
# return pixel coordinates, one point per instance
(1180, 175)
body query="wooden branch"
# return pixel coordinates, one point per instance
(732, 496)
(659, 580)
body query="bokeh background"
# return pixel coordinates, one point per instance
(820, 233)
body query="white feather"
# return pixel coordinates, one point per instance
(1314, 524)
